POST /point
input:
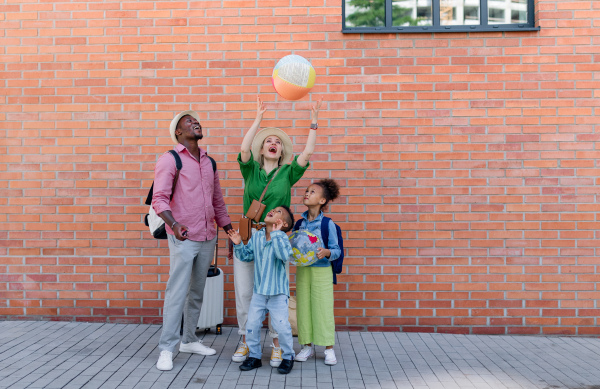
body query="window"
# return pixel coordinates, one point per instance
(412, 16)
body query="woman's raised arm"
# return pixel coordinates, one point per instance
(304, 157)
(249, 137)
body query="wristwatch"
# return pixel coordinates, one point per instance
(314, 126)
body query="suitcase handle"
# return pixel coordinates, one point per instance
(213, 270)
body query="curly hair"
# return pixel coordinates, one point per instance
(331, 190)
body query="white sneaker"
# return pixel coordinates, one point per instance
(241, 353)
(330, 357)
(165, 360)
(196, 348)
(305, 353)
(275, 356)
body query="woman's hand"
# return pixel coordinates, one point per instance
(235, 236)
(261, 108)
(322, 253)
(314, 114)
(245, 152)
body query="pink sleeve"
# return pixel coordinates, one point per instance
(164, 174)
(221, 216)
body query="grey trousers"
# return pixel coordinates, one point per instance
(190, 261)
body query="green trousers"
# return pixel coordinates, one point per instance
(314, 299)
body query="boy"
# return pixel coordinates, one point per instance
(270, 249)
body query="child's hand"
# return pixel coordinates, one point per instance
(322, 253)
(277, 226)
(235, 236)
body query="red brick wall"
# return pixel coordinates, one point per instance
(468, 161)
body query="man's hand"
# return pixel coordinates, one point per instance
(322, 253)
(235, 236)
(278, 226)
(180, 231)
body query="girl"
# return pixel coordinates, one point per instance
(314, 283)
(266, 156)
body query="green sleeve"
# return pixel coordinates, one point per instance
(247, 167)
(297, 171)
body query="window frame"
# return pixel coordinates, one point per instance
(437, 27)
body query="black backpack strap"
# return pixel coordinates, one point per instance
(175, 155)
(297, 225)
(178, 165)
(325, 231)
(213, 162)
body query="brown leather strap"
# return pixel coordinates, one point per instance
(257, 226)
(265, 191)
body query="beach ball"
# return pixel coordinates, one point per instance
(304, 248)
(293, 77)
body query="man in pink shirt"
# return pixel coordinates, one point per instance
(189, 211)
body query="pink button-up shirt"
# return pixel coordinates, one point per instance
(197, 201)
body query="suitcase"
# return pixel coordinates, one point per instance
(211, 314)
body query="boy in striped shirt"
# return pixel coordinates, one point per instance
(270, 249)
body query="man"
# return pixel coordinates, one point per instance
(196, 203)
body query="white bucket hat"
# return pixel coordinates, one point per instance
(176, 119)
(257, 143)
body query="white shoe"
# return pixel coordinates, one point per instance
(241, 353)
(196, 348)
(330, 357)
(305, 353)
(165, 360)
(275, 356)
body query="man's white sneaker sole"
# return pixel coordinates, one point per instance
(196, 348)
(238, 359)
(165, 361)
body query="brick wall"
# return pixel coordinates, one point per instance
(468, 161)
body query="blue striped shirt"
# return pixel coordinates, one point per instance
(270, 277)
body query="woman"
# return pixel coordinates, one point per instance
(264, 157)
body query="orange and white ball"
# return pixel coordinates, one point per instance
(293, 77)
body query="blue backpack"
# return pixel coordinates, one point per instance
(338, 263)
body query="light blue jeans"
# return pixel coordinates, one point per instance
(277, 306)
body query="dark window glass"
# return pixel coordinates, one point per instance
(365, 13)
(437, 15)
(411, 13)
(459, 12)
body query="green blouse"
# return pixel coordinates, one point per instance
(280, 190)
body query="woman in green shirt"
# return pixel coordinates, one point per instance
(265, 156)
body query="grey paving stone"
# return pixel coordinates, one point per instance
(96, 355)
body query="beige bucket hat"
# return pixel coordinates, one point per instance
(257, 143)
(176, 119)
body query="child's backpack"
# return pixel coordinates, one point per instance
(338, 263)
(154, 222)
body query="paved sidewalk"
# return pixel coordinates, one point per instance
(35, 354)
